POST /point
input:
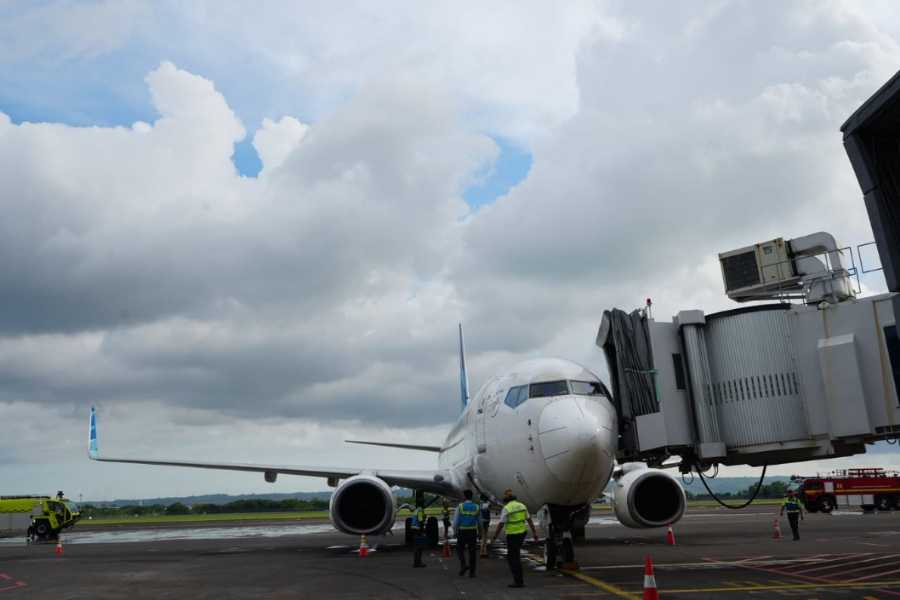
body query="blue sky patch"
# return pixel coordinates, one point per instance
(511, 167)
(246, 159)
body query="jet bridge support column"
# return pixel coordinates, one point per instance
(691, 324)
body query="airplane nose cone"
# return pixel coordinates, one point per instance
(576, 435)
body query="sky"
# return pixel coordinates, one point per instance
(248, 234)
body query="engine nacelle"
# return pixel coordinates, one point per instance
(362, 505)
(644, 497)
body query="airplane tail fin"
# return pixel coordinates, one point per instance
(93, 452)
(463, 377)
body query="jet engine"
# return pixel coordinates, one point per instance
(362, 505)
(644, 497)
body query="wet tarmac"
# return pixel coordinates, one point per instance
(718, 554)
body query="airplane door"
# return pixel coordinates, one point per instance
(480, 419)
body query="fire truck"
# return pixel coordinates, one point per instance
(872, 487)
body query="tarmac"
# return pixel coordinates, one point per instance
(718, 554)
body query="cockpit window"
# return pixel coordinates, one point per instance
(516, 395)
(587, 388)
(548, 388)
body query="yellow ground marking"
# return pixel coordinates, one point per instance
(783, 587)
(869, 598)
(606, 587)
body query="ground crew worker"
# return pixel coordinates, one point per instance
(445, 515)
(513, 517)
(418, 523)
(29, 535)
(485, 523)
(485, 514)
(467, 527)
(794, 512)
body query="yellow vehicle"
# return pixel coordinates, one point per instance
(42, 517)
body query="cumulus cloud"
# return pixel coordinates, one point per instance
(276, 140)
(319, 299)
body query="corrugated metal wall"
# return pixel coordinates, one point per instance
(753, 380)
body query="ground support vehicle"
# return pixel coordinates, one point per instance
(866, 488)
(49, 516)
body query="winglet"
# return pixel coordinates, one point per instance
(93, 452)
(463, 378)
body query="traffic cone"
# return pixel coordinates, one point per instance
(363, 547)
(670, 536)
(446, 552)
(650, 591)
(776, 535)
(59, 547)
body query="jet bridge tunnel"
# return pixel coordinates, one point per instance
(777, 382)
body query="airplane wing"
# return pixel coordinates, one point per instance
(435, 481)
(402, 446)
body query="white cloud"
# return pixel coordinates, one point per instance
(276, 140)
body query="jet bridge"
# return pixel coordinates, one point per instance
(777, 382)
(764, 384)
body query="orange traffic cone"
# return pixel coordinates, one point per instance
(446, 548)
(776, 535)
(670, 536)
(363, 547)
(650, 591)
(59, 547)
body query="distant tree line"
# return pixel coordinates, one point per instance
(776, 489)
(177, 508)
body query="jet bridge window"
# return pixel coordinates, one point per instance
(588, 388)
(516, 395)
(548, 388)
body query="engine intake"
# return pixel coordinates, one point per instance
(362, 505)
(644, 497)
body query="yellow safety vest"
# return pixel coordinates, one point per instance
(516, 513)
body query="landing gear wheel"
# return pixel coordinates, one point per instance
(826, 504)
(568, 550)
(550, 553)
(409, 536)
(578, 534)
(432, 533)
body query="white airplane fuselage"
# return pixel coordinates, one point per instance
(554, 449)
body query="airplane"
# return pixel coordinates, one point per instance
(546, 429)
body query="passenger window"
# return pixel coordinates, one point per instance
(548, 388)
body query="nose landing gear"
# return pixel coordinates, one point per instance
(566, 523)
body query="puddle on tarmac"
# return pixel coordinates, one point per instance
(603, 521)
(199, 533)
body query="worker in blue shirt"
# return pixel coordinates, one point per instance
(485, 523)
(467, 525)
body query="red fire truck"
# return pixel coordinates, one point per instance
(873, 487)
